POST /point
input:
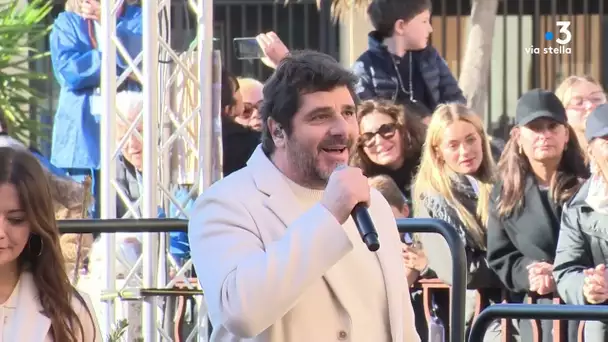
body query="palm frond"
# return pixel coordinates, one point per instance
(21, 28)
(340, 8)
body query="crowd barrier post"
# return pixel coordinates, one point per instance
(459, 272)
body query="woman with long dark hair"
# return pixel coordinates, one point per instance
(38, 301)
(390, 142)
(541, 168)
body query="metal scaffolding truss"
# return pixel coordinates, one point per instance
(181, 144)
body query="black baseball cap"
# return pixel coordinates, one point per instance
(597, 123)
(539, 103)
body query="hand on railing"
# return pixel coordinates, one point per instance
(414, 257)
(540, 276)
(595, 288)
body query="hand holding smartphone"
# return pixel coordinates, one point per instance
(247, 48)
(267, 47)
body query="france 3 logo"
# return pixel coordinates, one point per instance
(562, 38)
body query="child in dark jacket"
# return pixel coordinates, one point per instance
(399, 64)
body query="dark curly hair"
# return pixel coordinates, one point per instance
(411, 131)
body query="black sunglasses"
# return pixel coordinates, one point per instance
(248, 108)
(386, 131)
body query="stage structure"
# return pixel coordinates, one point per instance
(181, 146)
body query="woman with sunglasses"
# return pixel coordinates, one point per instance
(252, 93)
(390, 142)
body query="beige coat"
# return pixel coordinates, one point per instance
(26, 323)
(257, 255)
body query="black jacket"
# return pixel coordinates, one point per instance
(238, 144)
(583, 243)
(527, 235)
(432, 79)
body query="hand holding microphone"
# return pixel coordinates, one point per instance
(348, 193)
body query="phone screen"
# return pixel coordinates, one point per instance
(406, 238)
(247, 48)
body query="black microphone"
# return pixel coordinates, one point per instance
(365, 226)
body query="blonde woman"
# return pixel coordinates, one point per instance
(580, 95)
(453, 184)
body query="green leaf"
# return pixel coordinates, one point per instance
(120, 328)
(22, 25)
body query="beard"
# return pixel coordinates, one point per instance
(306, 158)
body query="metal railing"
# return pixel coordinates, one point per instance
(451, 236)
(459, 272)
(122, 226)
(131, 226)
(535, 311)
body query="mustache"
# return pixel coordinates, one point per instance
(337, 140)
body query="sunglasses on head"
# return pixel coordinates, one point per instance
(386, 131)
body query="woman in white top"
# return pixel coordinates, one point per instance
(37, 301)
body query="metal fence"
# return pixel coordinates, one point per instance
(455, 244)
(521, 24)
(300, 24)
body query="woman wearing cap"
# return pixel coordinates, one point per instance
(582, 252)
(540, 169)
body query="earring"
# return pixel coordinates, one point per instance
(521, 150)
(29, 246)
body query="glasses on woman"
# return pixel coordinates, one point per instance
(580, 102)
(249, 108)
(386, 131)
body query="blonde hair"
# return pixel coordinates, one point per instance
(74, 5)
(245, 82)
(434, 178)
(564, 90)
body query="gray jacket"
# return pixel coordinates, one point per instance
(582, 244)
(436, 206)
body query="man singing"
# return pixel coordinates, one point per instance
(274, 245)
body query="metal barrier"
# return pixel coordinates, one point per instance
(535, 311)
(459, 272)
(450, 234)
(131, 226)
(123, 226)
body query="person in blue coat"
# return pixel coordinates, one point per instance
(46, 163)
(76, 58)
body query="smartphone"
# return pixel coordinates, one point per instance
(406, 238)
(247, 48)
